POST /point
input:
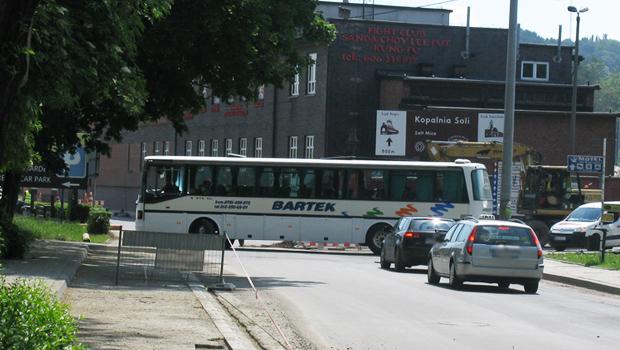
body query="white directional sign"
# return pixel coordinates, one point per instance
(391, 133)
(585, 164)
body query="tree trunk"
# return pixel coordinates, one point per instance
(10, 191)
(15, 19)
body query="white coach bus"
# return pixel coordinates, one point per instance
(313, 200)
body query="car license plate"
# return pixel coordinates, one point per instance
(501, 253)
(559, 238)
(430, 241)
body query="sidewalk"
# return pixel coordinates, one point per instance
(595, 278)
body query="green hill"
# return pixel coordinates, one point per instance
(600, 65)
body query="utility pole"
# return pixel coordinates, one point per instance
(509, 111)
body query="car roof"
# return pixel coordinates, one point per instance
(597, 204)
(496, 223)
(428, 218)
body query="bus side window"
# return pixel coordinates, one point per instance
(329, 185)
(266, 181)
(288, 183)
(425, 185)
(374, 184)
(224, 181)
(354, 184)
(200, 180)
(308, 184)
(246, 179)
(455, 190)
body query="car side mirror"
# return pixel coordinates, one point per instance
(440, 235)
(608, 218)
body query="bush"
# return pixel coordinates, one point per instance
(15, 242)
(98, 220)
(32, 318)
(79, 212)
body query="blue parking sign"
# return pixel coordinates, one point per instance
(76, 163)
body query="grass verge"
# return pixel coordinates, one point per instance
(52, 229)
(612, 261)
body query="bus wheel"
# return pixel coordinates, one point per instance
(374, 238)
(204, 227)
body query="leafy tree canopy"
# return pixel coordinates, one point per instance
(98, 67)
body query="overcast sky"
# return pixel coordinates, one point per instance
(541, 16)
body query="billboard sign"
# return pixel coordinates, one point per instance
(438, 126)
(391, 133)
(491, 127)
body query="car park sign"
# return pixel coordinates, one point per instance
(585, 164)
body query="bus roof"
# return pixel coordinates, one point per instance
(301, 162)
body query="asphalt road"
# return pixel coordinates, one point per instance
(348, 302)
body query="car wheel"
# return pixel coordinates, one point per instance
(384, 263)
(594, 243)
(503, 285)
(399, 264)
(531, 287)
(455, 282)
(433, 277)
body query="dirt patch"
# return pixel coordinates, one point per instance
(138, 313)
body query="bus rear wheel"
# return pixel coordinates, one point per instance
(374, 238)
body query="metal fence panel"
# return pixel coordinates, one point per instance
(165, 256)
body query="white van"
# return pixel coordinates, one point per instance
(571, 232)
(594, 235)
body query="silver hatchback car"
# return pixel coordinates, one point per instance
(491, 251)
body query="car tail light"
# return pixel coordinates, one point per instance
(469, 246)
(410, 234)
(140, 214)
(537, 242)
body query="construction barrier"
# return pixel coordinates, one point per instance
(164, 256)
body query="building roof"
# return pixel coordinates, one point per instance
(406, 76)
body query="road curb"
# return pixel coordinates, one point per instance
(302, 251)
(234, 337)
(582, 283)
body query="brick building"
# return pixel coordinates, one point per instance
(419, 64)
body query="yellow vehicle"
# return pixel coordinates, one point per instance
(548, 193)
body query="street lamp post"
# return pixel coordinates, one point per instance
(573, 114)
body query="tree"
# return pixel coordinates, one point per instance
(81, 72)
(231, 46)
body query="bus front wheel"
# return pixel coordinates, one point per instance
(204, 226)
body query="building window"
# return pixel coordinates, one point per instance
(258, 147)
(312, 74)
(229, 149)
(243, 146)
(309, 149)
(292, 147)
(156, 148)
(188, 148)
(534, 70)
(215, 148)
(201, 148)
(295, 85)
(166, 148)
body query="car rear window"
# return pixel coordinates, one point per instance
(430, 225)
(507, 235)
